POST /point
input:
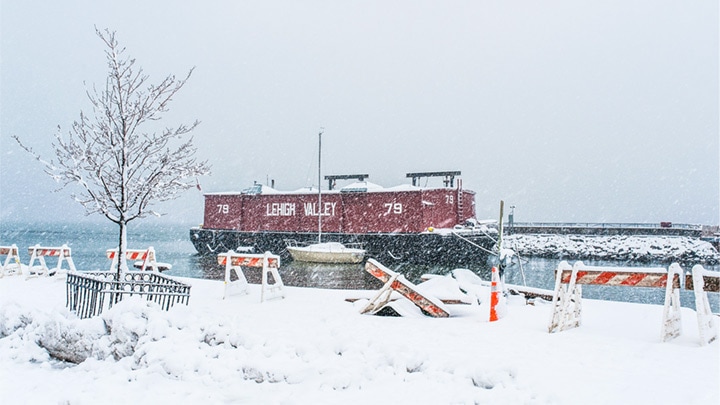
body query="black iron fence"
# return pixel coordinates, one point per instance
(89, 293)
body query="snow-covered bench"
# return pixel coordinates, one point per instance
(234, 262)
(37, 252)
(567, 298)
(12, 261)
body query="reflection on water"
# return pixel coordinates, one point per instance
(299, 274)
(336, 276)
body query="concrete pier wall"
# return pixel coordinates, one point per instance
(604, 229)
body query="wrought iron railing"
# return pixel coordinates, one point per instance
(89, 293)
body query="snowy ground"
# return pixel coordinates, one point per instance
(314, 347)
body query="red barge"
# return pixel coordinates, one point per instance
(404, 224)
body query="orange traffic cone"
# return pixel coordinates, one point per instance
(494, 295)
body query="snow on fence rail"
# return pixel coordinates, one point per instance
(567, 298)
(12, 261)
(89, 293)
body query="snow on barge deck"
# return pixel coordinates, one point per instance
(403, 224)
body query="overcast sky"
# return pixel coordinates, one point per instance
(583, 111)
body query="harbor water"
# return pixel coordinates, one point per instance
(172, 245)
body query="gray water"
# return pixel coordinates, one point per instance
(172, 245)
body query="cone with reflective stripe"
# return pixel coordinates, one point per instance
(494, 295)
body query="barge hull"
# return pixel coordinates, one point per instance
(421, 248)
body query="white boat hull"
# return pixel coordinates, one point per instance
(326, 253)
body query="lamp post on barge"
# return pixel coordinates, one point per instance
(511, 219)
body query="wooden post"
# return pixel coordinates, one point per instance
(501, 268)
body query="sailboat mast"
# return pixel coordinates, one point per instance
(319, 183)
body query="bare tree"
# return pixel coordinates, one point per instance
(120, 169)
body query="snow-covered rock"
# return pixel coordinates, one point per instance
(617, 247)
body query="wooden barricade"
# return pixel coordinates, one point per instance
(234, 262)
(567, 298)
(12, 265)
(703, 281)
(147, 256)
(37, 252)
(397, 282)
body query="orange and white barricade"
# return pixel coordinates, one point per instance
(704, 281)
(37, 252)
(234, 262)
(147, 256)
(567, 299)
(12, 265)
(397, 282)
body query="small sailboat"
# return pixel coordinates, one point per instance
(328, 252)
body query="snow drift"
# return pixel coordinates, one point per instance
(314, 347)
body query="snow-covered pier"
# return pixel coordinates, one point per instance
(638, 248)
(585, 228)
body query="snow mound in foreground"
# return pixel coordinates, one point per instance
(313, 346)
(137, 339)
